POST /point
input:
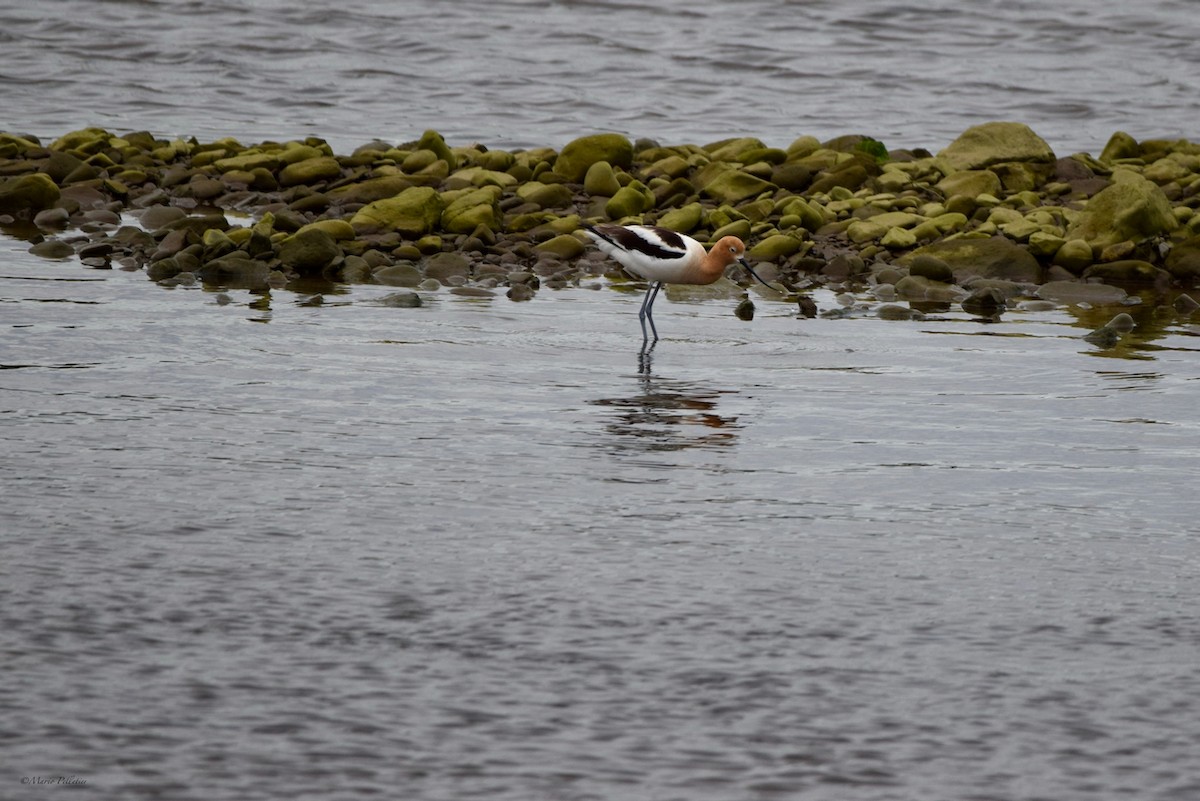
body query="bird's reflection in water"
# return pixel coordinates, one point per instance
(669, 415)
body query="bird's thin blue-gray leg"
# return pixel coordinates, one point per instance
(647, 314)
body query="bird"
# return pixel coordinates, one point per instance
(663, 256)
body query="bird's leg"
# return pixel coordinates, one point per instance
(646, 314)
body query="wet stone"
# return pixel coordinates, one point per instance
(52, 249)
(402, 300)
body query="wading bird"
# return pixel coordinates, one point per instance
(663, 256)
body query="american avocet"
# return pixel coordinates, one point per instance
(663, 256)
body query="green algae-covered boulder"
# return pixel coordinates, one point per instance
(248, 162)
(736, 149)
(309, 251)
(970, 183)
(413, 212)
(1127, 271)
(1131, 209)
(480, 176)
(85, 140)
(27, 194)
(993, 143)
(1183, 262)
(580, 154)
(1074, 255)
(310, 171)
(627, 202)
(467, 210)
(600, 179)
(338, 230)
(565, 246)
(1120, 146)
(684, 219)
(775, 247)
(545, 196)
(734, 186)
(432, 140)
(994, 257)
(371, 189)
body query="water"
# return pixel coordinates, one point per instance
(266, 549)
(270, 549)
(535, 73)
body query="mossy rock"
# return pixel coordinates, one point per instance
(580, 154)
(1074, 255)
(739, 228)
(1128, 271)
(248, 162)
(414, 212)
(481, 176)
(546, 196)
(810, 217)
(684, 219)
(217, 243)
(1131, 209)
(370, 190)
(294, 152)
(671, 166)
(432, 140)
(736, 149)
(198, 225)
(310, 171)
(600, 179)
(925, 265)
(28, 194)
(565, 246)
(993, 257)
(61, 164)
(1183, 262)
(627, 202)
(981, 146)
(338, 230)
(916, 287)
(309, 251)
(467, 211)
(88, 140)
(734, 186)
(970, 183)
(775, 247)
(1120, 146)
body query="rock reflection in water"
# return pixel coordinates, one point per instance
(669, 415)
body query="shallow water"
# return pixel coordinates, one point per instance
(535, 72)
(268, 549)
(278, 549)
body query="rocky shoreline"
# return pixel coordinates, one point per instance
(993, 219)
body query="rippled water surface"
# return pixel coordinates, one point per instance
(269, 549)
(305, 544)
(535, 72)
